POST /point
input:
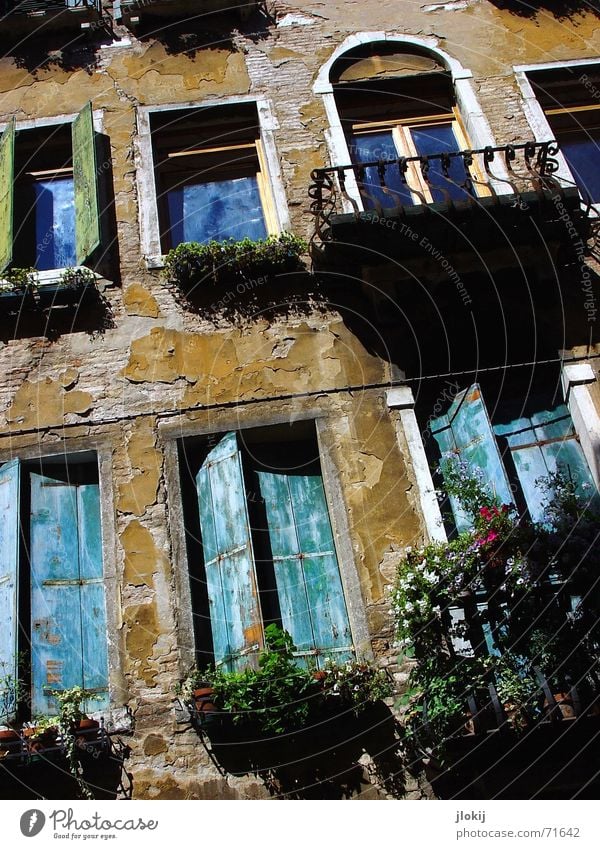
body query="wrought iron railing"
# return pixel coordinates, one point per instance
(461, 176)
(25, 7)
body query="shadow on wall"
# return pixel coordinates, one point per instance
(562, 9)
(344, 756)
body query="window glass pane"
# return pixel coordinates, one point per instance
(54, 224)
(441, 139)
(200, 212)
(371, 148)
(582, 152)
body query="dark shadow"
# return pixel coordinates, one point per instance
(555, 760)
(264, 297)
(561, 9)
(320, 761)
(52, 313)
(68, 50)
(191, 34)
(46, 774)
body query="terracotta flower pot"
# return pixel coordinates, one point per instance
(203, 700)
(40, 740)
(564, 703)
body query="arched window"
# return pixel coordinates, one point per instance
(397, 101)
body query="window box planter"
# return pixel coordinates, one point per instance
(192, 266)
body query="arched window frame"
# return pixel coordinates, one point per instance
(476, 124)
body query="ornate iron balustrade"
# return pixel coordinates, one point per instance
(39, 7)
(463, 177)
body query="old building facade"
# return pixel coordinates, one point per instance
(132, 417)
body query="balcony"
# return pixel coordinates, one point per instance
(29, 16)
(132, 12)
(458, 201)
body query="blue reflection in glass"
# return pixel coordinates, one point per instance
(441, 139)
(54, 224)
(373, 148)
(582, 153)
(201, 212)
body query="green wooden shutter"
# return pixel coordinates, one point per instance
(85, 178)
(235, 617)
(465, 432)
(68, 642)
(309, 588)
(9, 587)
(545, 443)
(7, 174)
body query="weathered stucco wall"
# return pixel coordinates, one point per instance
(158, 358)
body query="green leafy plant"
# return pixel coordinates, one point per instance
(76, 278)
(18, 280)
(514, 564)
(70, 714)
(192, 264)
(280, 696)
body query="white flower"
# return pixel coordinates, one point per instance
(408, 607)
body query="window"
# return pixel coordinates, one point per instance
(395, 104)
(211, 176)
(569, 99)
(523, 442)
(49, 212)
(261, 547)
(51, 582)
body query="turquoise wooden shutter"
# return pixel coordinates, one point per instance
(235, 617)
(7, 175)
(9, 586)
(545, 443)
(309, 588)
(85, 178)
(68, 641)
(465, 433)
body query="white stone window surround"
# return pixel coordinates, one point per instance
(576, 379)
(144, 163)
(535, 114)
(477, 126)
(401, 399)
(51, 276)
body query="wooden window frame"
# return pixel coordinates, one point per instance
(405, 146)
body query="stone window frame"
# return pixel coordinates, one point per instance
(171, 433)
(535, 115)
(115, 715)
(50, 276)
(476, 124)
(144, 164)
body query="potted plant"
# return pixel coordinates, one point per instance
(193, 265)
(17, 288)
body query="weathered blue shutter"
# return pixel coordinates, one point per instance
(68, 642)
(465, 434)
(9, 559)
(235, 617)
(94, 645)
(542, 444)
(85, 180)
(309, 588)
(7, 173)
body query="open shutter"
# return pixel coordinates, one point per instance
(309, 588)
(9, 559)
(7, 173)
(94, 645)
(545, 443)
(68, 643)
(465, 432)
(85, 178)
(235, 617)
